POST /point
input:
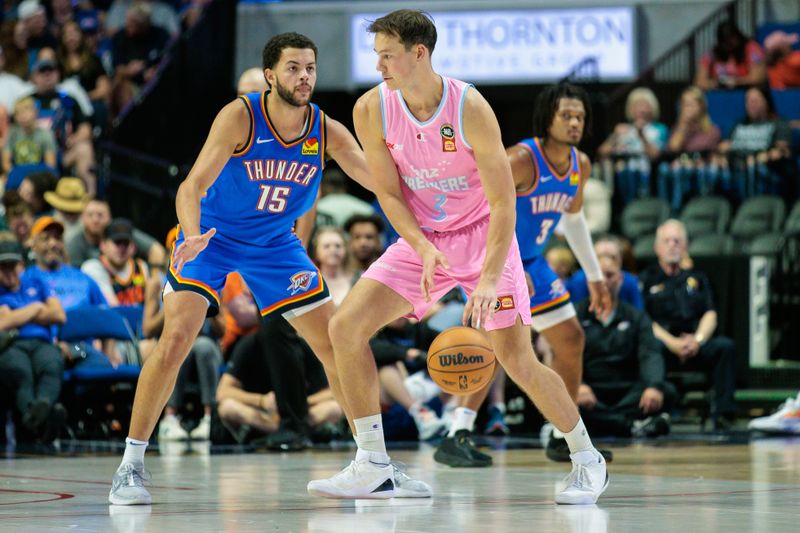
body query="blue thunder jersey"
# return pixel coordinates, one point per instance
(539, 208)
(270, 182)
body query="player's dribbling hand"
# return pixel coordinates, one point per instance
(189, 249)
(480, 305)
(599, 299)
(431, 259)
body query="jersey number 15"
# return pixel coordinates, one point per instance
(273, 199)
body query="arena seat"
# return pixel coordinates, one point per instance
(768, 244)
(643, 248)
(756, 216)
(706, 214)
(642, 216)
(792, 224)
(711, 244)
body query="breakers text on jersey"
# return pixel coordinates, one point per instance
(420, 181)
(280, 170)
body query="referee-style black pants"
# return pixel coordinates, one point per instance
(717, 359)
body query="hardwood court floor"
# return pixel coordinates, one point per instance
(673, 486)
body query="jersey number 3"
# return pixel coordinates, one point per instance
(544, 230)
(273, 199)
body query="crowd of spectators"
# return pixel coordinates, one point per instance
(695, 157)
(68, 68)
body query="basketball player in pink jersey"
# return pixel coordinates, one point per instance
(440, 172)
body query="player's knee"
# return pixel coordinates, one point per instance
(342, 330)
(519, 364)
(175, 346)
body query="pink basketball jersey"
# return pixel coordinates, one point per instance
(438, 173)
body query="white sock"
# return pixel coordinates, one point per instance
(500, 406)
(134, 452)
(557, 434)
(369, 438)
(578, 439)
(463, 418)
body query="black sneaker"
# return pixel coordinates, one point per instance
(724, 423)
(55, 423)
(558, 450)
(459, 450)
(287, 440)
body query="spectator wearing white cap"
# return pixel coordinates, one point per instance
(68, 200)
(34, 16)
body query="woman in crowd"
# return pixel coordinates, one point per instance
(692, 141)
(735, 61)
(634, 145)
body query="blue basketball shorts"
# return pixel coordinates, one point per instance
(549, 292)
(281, 276)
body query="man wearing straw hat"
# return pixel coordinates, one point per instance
(69, 200)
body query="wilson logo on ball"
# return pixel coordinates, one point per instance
(459, 359)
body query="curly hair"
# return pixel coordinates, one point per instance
(547, 105)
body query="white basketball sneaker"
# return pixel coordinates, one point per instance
(587, 481)
(428, 424)
(361, 479)
(407, 487)
(127, 487)
(785, 420)
(170, 429)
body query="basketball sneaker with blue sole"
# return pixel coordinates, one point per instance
(362, 479)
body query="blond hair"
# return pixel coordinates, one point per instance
(26, 102)
(642, 94)
(697, 93)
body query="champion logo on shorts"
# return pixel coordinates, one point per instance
(301, 281)
(504, 302)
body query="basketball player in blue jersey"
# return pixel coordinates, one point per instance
(549, 175)
(258, 172)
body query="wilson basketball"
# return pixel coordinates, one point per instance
(461, 360)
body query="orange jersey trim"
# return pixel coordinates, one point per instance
(323, 131)
(551, 303)
(306, 130)
(558, 176)
(238, 153)
(535, 172)
(299, 297)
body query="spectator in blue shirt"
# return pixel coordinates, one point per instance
(70, 285)
(629, 292)
(30, 364)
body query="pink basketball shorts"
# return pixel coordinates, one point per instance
(400, 269)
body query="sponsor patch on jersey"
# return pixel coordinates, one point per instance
(448, 138)
(574, 178)
(301, 281)
(504, 302)
(311, 146)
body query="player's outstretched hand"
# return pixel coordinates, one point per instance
(431, 258)
(480, 305)
(599, 299)
(189, 249)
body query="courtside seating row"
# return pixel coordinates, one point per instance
(92, 322)
(758, 228)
